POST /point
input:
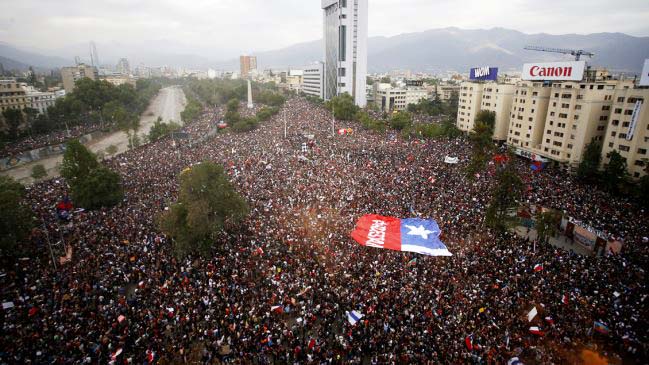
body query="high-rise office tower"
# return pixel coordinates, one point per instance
(345, 48)
(248, 63)
(123, 66)
(94, 58)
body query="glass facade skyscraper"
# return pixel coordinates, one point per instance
(345, 48)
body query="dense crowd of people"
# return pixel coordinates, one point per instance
(277, 288)
(42, 140)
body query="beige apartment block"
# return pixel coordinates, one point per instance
(12, 95)
(578, 113)
(631, 143)
(498, 98)
(118, 80)
(528, 114)
(71, 75)
(469, 103)
(445, 91)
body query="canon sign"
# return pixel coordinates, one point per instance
(554, 71)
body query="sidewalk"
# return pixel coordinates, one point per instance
(559, 241)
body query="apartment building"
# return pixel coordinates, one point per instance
(12, 95)
(120, 79)
(577, 114)
(498, 98)
(390, 98)
(528, 114)
(39, 100)
(71, 75)
(445, 91)
(490, 96)
(469, 103)
(628, 129)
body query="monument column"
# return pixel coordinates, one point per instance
(250, 105)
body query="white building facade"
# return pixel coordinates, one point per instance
(312, 81)
(345, 48)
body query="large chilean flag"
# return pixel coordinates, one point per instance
(411, 234)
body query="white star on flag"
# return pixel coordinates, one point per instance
(419, 231)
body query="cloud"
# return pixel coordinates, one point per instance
(243, 26)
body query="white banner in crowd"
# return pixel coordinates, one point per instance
(452, 160)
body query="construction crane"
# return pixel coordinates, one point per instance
(574, 52)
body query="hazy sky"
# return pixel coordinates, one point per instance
(256, 25)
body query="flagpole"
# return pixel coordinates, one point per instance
(333, 119)
(49, 245)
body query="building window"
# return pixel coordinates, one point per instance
(342, 48)
(343, 3)
(341, 72)
(620, 99)
(624, 148)
(642, 151)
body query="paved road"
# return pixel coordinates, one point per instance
(167, 104)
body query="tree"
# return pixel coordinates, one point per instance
(342, 106)
(17, 221)
(207, 204)
(480, 138)
(547, 225)
(488, 118)
(192, 110)
(369, 122)
(111, 150)
(77, 163)
(452, 105)
(92, 185)
(505, 196)
(642, 191)
(245, 125)
(160, 129)
(614, 172)
(266, 113)
(38, 172)
(14, 119)
(400, 121)
(30, 115)
(100, 188)
(233, 105)
(232, 117)
(31, 79)
(589, 165)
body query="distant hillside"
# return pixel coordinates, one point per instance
(436, 50)
(9, 64)
(457, 49)
(31, 58)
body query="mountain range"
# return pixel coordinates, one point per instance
(433, 51)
